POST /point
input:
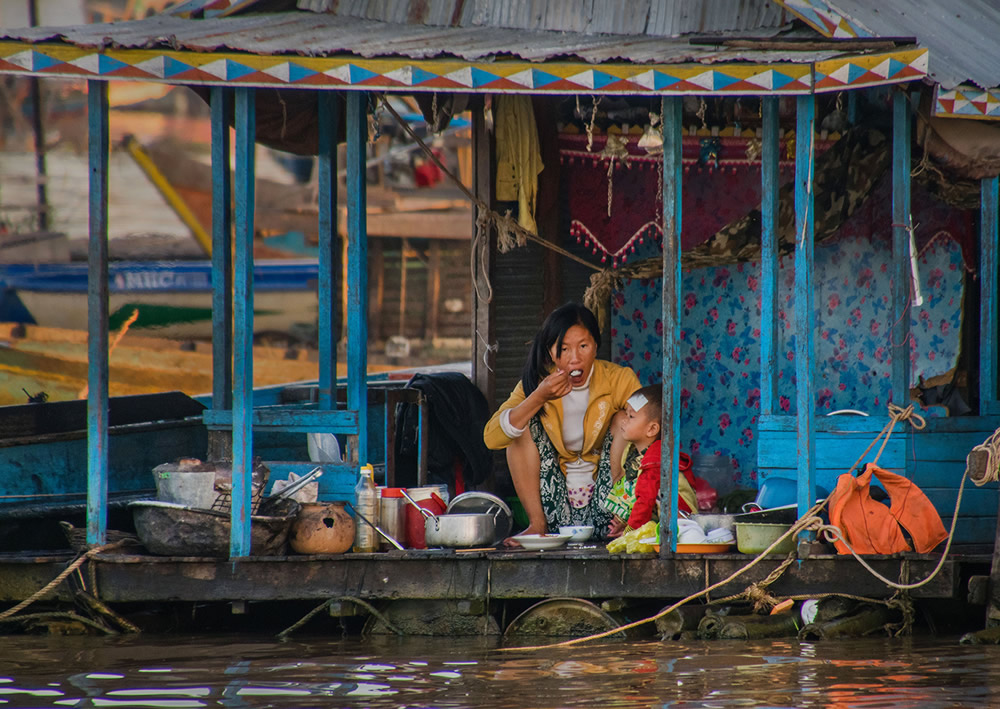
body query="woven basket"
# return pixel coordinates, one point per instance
(77, 537)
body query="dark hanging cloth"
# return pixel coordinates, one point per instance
(457, 412)
(844, 177)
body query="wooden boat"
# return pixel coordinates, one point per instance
(173, 298)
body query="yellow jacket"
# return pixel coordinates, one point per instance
(610, 387)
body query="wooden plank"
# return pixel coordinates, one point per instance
(290, 419)
(901, 226)
(805, 312)
(779, 450)
(432, 305)
(673, 130)
(874, 424)
(938, 473)
(246, 132)
(329, 251)
(97, 314)
(514, 575)
(947, 446)
(769, 256)
(402, 287)
(222, 252)
(376, 316)
(859, 424)
(988, 278)
(357, 270)
(976, 501)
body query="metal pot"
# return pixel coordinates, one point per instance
(464, 530)
(456, 531)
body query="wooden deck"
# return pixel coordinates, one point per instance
(446, 574)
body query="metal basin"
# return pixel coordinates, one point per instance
(177, 530)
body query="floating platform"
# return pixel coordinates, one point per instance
(495, 575)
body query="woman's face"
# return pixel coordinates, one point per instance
(577, 355)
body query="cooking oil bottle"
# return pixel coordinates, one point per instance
(366, 503)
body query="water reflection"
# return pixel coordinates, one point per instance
(426, 672)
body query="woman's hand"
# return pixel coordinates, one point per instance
(555, 386)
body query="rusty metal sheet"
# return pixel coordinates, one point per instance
(653, 18)
(308, 34)
(960, 34)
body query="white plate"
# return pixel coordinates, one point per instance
(537, 542)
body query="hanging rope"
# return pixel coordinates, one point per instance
(509, 232)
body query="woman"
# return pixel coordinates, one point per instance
(555, 424)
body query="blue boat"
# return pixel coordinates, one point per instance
(173, 298)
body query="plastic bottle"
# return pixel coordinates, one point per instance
(366, 501)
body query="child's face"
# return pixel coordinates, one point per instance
(636, 426)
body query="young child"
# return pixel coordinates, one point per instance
(641, 427)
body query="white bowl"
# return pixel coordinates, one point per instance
(537, 542)
(578, 533)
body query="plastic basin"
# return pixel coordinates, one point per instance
(755, 537)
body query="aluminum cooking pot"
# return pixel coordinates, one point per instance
(464, 530)
(456, 530)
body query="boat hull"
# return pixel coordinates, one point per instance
(173, 299)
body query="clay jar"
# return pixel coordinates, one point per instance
(322, 528)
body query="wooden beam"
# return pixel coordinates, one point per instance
(673, 131)
(222, 253)
(97, 315)
(988, 308)
(432, 306)
(805, 311)
(484, 260)
(769, 256)
(246, 131)
(329, 251)
(403, 249)
(901, 221)
(357, 271)
(377, 257)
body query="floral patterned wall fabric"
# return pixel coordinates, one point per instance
(720, 349)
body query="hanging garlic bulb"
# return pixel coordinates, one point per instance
(652, 139)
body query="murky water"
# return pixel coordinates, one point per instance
(242, 671)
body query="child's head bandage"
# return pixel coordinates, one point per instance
(637, 401)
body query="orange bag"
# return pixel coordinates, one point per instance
(872, 528)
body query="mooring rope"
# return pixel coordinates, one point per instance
(77, 563)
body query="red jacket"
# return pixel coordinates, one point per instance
(647, 486)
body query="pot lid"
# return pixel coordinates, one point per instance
(483, 502)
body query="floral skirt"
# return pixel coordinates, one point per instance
(555, 495)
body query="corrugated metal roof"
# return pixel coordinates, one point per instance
(962, 35)
(654, 18)
(308, 34)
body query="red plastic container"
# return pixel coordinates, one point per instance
(429, 500)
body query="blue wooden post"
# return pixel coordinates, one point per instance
(222, 254)
(329, 254)
(805, 311)
(357, 269)
(769, 256)
(673, 131)
(900, 333)
(246, 132)
(97, 315)
(988, 313)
